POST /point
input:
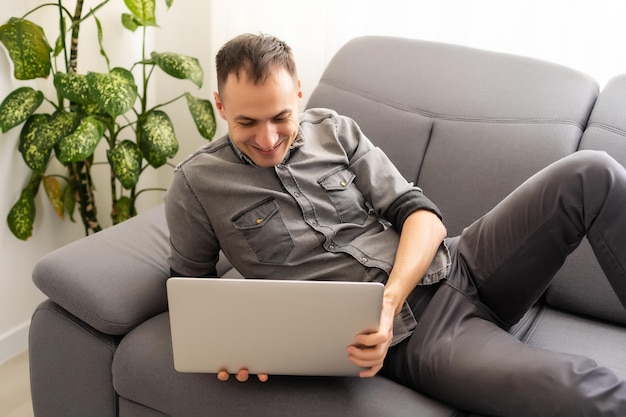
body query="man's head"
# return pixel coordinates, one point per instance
(259, 96)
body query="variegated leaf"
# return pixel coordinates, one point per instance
(61, 124)
(34, 156)
(203, 115)
(22, 215)
(115, 92)
(81, 143)
(125, 160)
(18, 106)
(41, 133)
(28, 48)
(180, 66)
(73, 87)
(55, 195)
(157, 139)
(143, 11)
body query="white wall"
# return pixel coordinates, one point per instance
(586, 35)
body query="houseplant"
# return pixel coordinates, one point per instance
(87, 108)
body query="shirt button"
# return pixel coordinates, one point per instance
(259, 220)
(342, 183)
(296, 195)
(365, 260)
(331, 247)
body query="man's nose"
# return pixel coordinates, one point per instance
(267, 136)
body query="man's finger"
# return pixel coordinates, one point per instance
(242, 375)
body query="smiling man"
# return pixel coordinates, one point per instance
(262, 113)
(307, 195)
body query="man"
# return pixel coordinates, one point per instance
(309, 194)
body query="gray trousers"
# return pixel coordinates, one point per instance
(461, 352)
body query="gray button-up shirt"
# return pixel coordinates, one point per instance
(330, 211)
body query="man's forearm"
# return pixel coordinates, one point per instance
(421, 236)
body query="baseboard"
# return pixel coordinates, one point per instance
(14, 342)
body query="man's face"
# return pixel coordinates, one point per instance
(262, 119)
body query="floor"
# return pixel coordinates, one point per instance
(15, 388)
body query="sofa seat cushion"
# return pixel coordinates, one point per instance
(601, 341)
(582, 288)
(143, 372)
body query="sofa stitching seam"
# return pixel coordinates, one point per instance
(473, 119)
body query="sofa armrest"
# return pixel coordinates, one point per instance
(112, 280)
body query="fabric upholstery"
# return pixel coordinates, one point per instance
(70, 366)
(113, 280)
(478, 123)
(580, 286)
(143, 372)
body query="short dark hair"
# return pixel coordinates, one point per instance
(255, 54)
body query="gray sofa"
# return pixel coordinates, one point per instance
(466, 125)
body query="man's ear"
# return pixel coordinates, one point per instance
(300, 91)
(219, 105)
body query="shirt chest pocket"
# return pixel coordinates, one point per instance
(345, 196)
(263, 228)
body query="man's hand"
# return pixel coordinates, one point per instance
(241, 376)
(370, 349)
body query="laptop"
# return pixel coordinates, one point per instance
(277, 327)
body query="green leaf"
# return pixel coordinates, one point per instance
(169, 3)
(74, 87)
(18, 106)
(52, 186)
(125, 160)
(61, 124)
(203, 115)
(129, 22)
(102, 51)
(115, 92)
(180, 66)
(143, 11)
(69, 202)
(28, 48)
(34, 154)
(58, 45)
(124, 208)
(82, 142)
(22, 215)
(41, 133)
(157, 139)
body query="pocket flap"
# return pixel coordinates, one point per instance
(255, 216)
(337, 181)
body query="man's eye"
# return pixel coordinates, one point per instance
(246, 124)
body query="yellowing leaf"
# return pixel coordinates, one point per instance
(55, 194)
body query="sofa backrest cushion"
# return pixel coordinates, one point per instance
(466, 125)
(580, 286)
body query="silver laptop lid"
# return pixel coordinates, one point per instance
(278, 327)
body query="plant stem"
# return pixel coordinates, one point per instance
(81, 171)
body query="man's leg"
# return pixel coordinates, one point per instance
(515, 250)
(503, 263)
(459, 357)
